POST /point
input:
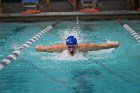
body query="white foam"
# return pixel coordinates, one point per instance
(109, 41)
(75, 31)
(65, 56)
(100, 54)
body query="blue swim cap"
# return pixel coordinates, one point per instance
(71, 40)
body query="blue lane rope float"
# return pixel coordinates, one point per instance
(131, 31)
(13, 56)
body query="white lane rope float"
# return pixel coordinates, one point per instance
(131, 31)
(13, 56)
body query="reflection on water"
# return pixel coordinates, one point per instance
(7, 36)
(4, 38)
(82, 78)
(18, 29)
(88, 27)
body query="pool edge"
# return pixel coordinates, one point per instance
(66, 16)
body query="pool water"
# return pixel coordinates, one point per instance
(105, 71)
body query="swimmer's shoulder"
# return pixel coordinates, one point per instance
(85, 44)
(60, 46)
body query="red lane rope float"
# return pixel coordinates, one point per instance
(30, 12)
(89, 10)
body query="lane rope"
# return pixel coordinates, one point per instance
(131, 31)
(13, 56)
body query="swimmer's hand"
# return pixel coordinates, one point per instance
(39, 48)
(114, 43)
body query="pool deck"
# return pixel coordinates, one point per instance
(66, 16)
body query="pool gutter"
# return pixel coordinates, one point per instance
(66, 16)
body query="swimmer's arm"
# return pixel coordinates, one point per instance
(50, 49)
(109, 45)
(94, 47)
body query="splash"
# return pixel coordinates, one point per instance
(110, 41)
(100, 54)
(65, 56)
(75, 31)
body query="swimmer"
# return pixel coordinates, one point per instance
(72, 46)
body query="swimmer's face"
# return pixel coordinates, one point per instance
(71, 49)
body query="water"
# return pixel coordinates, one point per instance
(104, 71)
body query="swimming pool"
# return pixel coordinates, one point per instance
(106, 71)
